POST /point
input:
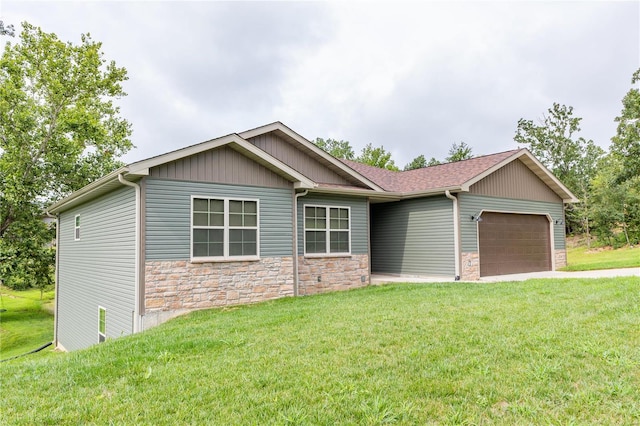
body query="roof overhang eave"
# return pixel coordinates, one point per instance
(86, 192)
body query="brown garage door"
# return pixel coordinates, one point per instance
(513, 243)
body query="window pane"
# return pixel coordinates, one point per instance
(216, 206)
(235, 206)
(235, 219)
(310, 212)
(200, 249)
(250, 207)
(216, 219)
(250, 220)
(200, 219)
(216, 249)
(334, 213)
(200, 236)
(315, 242)
(200, 205)
(77, 220)
(102, 322)
(216, 236)
(339, 241)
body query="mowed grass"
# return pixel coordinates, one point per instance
(24, 324)
(582, 259)
(533, 352)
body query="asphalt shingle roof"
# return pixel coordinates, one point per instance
(433, 177)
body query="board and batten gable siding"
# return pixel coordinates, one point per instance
(359, 218)
(413, 237)
(97, 270)
(471, 204)
(168, 216)
(298, 160)
(221, 165)
(515, 180)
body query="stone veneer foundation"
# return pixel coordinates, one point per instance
(324, 274)
(561, 258)
(176, 287)
(470, 267)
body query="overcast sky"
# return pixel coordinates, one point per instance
(414, 77)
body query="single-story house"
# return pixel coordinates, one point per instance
(265, 214)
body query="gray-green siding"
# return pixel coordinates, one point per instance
(97, 270)
(413, 237)
(471, 204)
(359, 218)
(168, 221)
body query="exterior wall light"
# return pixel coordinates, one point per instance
(476, 217)
(559, 221)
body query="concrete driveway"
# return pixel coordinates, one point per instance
(602, 273)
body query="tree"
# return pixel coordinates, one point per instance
(459, 152)
(433, 162)
(59, 130)
(571, 159)
(626, 143)
(615, 205)
(8, 30)
(417, 163)
(337, 148)
(377, 157)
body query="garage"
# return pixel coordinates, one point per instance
(512, 243)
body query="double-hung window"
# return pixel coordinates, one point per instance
(327, 230)
(224, 229)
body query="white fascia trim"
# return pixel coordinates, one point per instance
(87, 190)
(311, 146)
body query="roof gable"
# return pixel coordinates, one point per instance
(312, 150)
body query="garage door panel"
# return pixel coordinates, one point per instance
(513, 243)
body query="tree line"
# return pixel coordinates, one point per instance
(60, 129)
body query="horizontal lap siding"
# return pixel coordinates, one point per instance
(359, 218)
(471, 204)
(99, 269)
(168, 221)
(413, 237)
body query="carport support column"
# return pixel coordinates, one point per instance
(456, 233)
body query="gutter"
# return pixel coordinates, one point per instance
(137, 319)
(295, 239)
(456, 232)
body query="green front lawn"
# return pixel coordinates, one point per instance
(581, 259)
(532, 352)
(24, 324)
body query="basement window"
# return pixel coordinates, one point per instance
(102, 324)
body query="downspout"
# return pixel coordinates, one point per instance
(57, 279)
(456, 233)
(137, 326)
(295, 240)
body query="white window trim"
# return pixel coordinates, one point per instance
(104, 335)
(76, 228)
(225, 257)
(326, 230)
